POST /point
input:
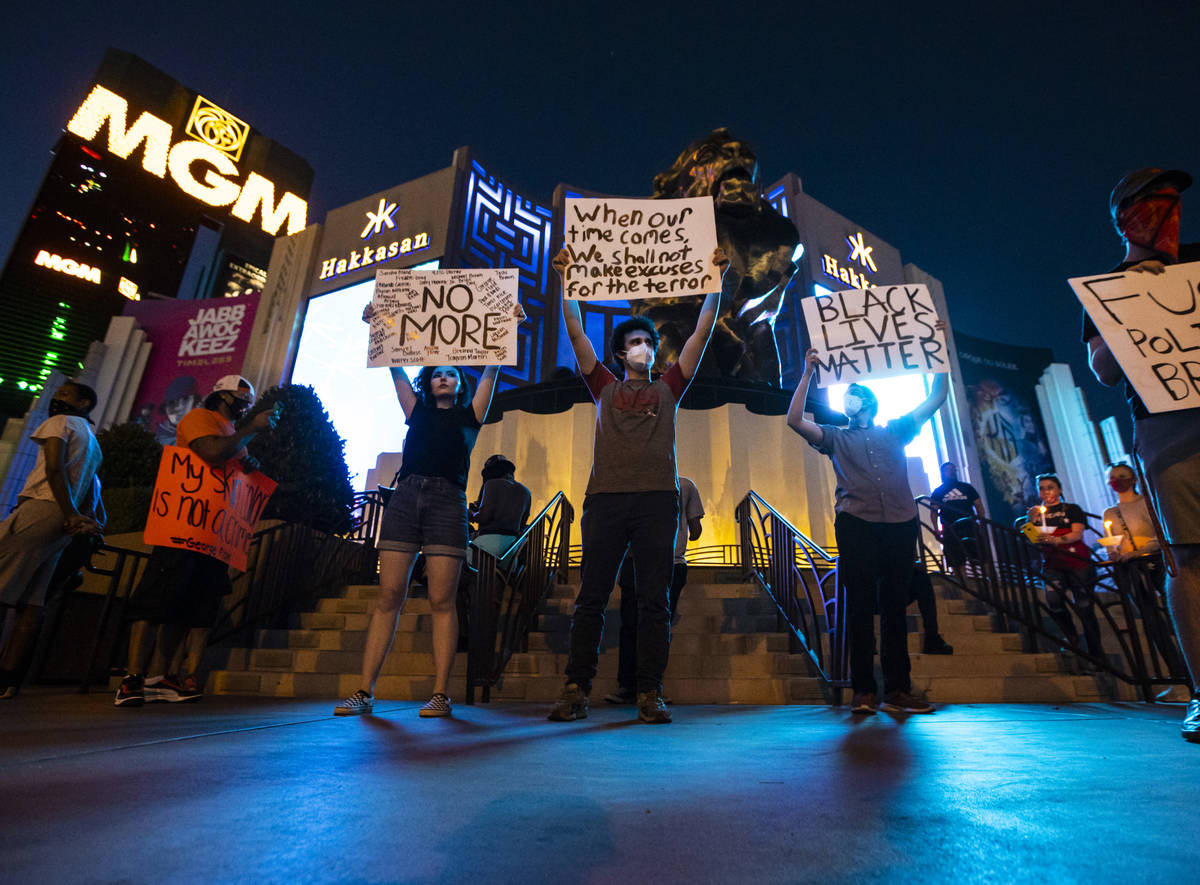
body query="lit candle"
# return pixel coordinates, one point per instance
(1042, 507)
(1108, 528)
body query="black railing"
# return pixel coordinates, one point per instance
(123, 568)
(801, 577)
(506, 593)
(998, 565)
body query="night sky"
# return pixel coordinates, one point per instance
(982, 144)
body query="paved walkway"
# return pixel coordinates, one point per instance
(280, 791)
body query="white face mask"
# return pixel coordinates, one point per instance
(639, 357)
(852, 405)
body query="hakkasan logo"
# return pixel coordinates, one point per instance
(216, 126)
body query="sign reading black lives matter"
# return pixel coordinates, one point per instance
(444, 318)
(1151, 323)
(874, 333)
(637, 249)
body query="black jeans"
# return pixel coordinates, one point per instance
(627, 653)
(875, 568)
(644, 524)
(1081, 584)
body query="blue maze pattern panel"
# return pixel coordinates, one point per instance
(503, 229)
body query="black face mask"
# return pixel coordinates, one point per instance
(237, 407)
(61, 407)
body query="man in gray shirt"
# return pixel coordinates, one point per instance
(876, 529)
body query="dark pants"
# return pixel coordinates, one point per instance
(627, 654)
(1081, 584)
(875, 568)
(644, 524)
(921, 593)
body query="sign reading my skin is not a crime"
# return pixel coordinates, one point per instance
(1151, 323)
(879, 332)
(637, 249)
(444, 318)
(211, 510)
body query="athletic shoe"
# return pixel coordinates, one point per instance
(652, 709)
(1191, 722)
(936, 645)
(9, 693)
(358, 703)
(903, 702)
(131, 693)
(438, 705)
(572, 704)
(172, 690)
(623, 695)
(864, 702)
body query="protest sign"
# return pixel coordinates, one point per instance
(635, 249)
(444, 318)
(1151, 324)
(875, 333)
(211, 510)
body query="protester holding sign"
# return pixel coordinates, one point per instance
(181, 590)
(1145, 210)
(876, 529)
(632, 498)
(427, 513)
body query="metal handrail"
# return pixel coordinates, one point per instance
(121, 580)
(508, 589)
(800, 576)
(711, 555)
(997, 565)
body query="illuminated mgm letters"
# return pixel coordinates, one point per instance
(68, 266)
(217, 183)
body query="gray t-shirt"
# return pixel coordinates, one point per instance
(690, 507)
(635, 432)
(872, 469)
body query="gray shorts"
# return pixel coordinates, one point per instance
(31, 541)
(1168, 446)
(426, 514)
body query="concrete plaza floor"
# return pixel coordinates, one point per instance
(232, 790)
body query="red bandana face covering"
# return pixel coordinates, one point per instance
(1153, 222)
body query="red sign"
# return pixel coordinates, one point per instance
(211, 510)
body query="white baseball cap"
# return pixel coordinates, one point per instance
(237, 385)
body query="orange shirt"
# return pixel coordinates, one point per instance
(199, 423)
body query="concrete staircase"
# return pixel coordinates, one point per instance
(726, 649)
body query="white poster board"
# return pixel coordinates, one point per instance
(639, 249)
(444, 318)
(862, 334)
(1151, 324)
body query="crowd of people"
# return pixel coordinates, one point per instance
(638, 514)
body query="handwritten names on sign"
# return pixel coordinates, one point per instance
(444, 318)
(211, 510)
(1151, 323)
(638, 249)
(875, 333)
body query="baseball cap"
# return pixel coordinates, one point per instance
(237, 385)
(1141, 180)
(497, 466)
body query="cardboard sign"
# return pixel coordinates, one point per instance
(875, 333)
(638, 249)
(444, 318)
(211, 510)
(1151, 323)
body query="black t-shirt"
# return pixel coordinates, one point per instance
(954, 500)
(439, 443)
(1187, 252)
(1060, 517)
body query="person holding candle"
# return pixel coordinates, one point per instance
(1067, 564)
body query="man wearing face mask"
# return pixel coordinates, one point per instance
(1145, 210)
(876, 529)
(181, 590)
(60, 499)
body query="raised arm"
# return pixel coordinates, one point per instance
(810, 430)
(693, 349)
(585, 354)
(937, 395)
(219, 449)
(404, 390)
(482, 401)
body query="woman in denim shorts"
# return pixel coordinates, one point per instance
(427, 513)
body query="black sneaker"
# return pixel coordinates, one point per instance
(131, 693)
(864, 703)
(936, 645)
(572, 704)
(172, 689)
(1191, 721)
(623, 695)
(652, 709)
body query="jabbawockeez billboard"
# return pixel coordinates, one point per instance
(193, 343)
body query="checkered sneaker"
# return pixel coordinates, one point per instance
(438, 705)
(358, 703)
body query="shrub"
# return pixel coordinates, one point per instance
(127, 474)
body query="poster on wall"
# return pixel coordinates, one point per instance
(450, 317)
(1001, 382)
(193, 343)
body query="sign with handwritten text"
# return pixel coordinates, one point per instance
(1151, 323)
(211, 510)
(637, 249)
(444, 318)
(875, 333)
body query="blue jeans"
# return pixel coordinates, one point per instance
(644, 524)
